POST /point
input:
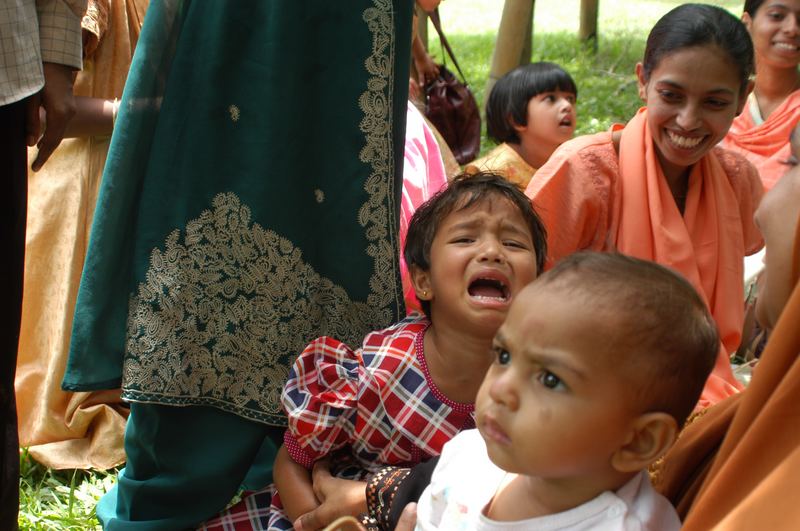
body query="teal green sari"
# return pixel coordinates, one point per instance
(249, 202)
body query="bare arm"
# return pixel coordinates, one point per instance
(293, 482)
(93, 117)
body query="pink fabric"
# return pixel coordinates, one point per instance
(590, 198)
(766, 145)
(423, 176)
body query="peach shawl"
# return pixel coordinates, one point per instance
(592, 198)
(738, 465)
(704, 244)
(766, 145)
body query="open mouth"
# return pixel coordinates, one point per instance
(567, 122)
(684, 142)
(488, 289)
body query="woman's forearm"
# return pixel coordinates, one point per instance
(93, 117)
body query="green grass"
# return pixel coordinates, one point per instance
(59, 499)
(607, 90)
(65, 500)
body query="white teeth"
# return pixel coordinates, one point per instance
(786, 46)
(684, 142)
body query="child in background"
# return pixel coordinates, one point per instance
(530, 112)
(410, 388)
(597, 366)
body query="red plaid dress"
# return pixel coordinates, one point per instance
(378, 402)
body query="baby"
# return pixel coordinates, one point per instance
(596, 368)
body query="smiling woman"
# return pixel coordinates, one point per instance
(659, 189)
(760, 133)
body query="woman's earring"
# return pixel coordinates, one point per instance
(424, 293)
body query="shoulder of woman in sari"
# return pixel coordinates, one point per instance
(749, 190)
(573, 193)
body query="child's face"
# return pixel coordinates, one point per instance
(777, 217)
(551, 119)
(481, 257)
(552, 404)
(692, 97)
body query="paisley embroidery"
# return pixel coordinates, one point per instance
(223, 311)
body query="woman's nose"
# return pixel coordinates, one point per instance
(790, 25)
(689, 117)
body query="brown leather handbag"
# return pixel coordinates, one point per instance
(451, 106)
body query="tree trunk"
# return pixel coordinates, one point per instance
(516, 25)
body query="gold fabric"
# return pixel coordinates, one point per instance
(63, 429)
(506, 162)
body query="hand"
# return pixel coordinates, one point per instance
(427, 70)
(408, 518)
(338, 497)
(58, 102)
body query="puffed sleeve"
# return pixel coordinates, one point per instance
(320, 399)
(572, 193)
(749, 189)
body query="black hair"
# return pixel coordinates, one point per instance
(659, 330)
(464, 191)
(690, 25)
(507, 105)
(751, 6)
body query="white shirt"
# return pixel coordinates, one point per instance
(465, 480)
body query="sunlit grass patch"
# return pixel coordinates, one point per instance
(59, 500)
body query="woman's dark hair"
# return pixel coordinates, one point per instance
(751, 6)
(690, 25)
(463, 192)
(508, 101)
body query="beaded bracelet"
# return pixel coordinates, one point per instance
(381, 490)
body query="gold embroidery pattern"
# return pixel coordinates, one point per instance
(213, 308)
(376, 103)
(222, 314)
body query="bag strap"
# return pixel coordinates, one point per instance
(437, 23)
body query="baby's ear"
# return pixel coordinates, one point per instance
(650, 437)
(421, 280)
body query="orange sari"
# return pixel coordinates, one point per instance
(766, 145)
(591, 198)
(738, 465)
